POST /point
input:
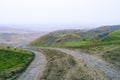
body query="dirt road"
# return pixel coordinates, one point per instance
(35, 70)
(37, 67)
(94, 63)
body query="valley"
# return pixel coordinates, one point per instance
(69, 54)
(59, 40)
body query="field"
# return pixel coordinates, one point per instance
(13, 62)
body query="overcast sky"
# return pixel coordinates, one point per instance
(59, 13)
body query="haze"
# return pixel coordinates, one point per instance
(59, 14)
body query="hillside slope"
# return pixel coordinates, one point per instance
(73, 37)
(113, 36)
(13, 62)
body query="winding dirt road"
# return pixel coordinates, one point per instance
(35, 70)
(94, 63)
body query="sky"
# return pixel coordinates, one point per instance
(59, 14)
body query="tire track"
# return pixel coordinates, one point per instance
(94, 63)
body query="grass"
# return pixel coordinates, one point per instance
(113, 57)
(113, 38)
(61, 66)
(13, 62)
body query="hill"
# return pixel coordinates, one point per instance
(101, 32)
(113, 36)
(51, 39)
(74, 37)
(11, 29)
(6, 29)
(11, 39)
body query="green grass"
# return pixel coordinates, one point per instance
(115, 33)
(113, 37)
(13, 62)
(74, 44)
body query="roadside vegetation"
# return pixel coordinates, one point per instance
(13, 62)
(61, 66)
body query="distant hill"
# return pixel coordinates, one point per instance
(13, 39)
(10, 36)
(4, 29)
(62, 37)
(102, 31)
(54, 39)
